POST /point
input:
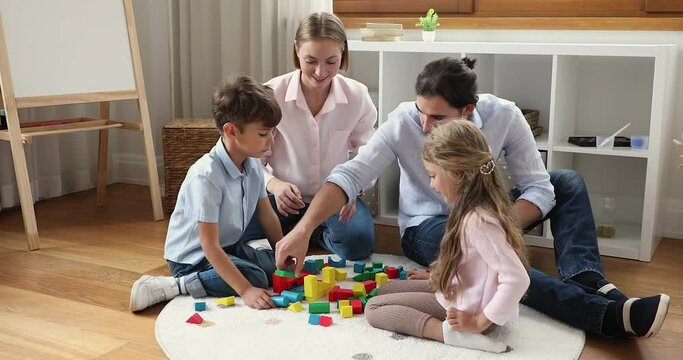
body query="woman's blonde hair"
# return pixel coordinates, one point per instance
(322, 25)
(460, 149)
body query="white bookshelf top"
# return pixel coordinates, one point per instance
(633, 50)
(542, 142)
(617, 151)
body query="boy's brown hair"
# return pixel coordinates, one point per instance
(240, 100)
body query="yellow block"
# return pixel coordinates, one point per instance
(296, 307)
(359, 290)
(329, 275)
(343, 303)
(346, 311)
(324, 289)
(381, 278)
(311, 291)
(226, 301)
(341, 275)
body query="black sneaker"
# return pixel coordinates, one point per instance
(608, 290)
(644, 317)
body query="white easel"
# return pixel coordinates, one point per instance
(93, 57)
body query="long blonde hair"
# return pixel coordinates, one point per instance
(460, 149)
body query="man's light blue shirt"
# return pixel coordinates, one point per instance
(401, 137)
(214, 191)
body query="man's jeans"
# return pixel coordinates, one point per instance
(576, 251)
(352, 240)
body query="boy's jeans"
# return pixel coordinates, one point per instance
(576, 251)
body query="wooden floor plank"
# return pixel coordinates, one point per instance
(69, 300)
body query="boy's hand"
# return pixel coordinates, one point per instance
(257, 298)
(418, 275)
(287, 197)
(463, 321)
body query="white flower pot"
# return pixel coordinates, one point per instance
(428, 36)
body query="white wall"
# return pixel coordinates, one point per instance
(673, 208)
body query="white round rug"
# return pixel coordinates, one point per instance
(239, 332)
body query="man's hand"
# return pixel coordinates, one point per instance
(287, 197)
(257, 298)
(418, 275)
(462, 321)
(347, 211)
(292, 247)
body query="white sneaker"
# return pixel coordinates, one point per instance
(149, 290)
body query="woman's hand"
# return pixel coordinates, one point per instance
(463, 321)
(287, 197)
(347, 211)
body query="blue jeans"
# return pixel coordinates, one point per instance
(202, 280)
(352, 240)
(576, 251)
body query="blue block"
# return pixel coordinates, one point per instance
(314, 319)
(403, 275)
(311, 266)
(199, 306)
(400, 268)
(337, 264)
(298, 289)
(292, 296)
(358, 267)
(280, 301)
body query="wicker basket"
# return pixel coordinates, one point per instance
(184, 141)
(531, 117)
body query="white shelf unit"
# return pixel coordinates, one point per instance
(579, 89)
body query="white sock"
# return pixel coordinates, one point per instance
(182, 288)
(471, 340)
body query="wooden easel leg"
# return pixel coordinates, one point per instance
(25, 196)
(102, 158)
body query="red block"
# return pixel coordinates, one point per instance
(369, 285)
(281, 284)
(392, 272)
(195, 319)
(343, 294)
(357, 306)
(325, 321)
(332, 295)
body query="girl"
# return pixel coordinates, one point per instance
(324, 117)
(479, 274)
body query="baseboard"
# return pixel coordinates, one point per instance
(132, 169)
(673, 214)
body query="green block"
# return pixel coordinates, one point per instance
(319, 263)
(364, 277)
(284, 273)
(319, 308)
(363, 301)
(374, 292)
(377, 264)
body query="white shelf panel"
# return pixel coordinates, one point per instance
(617, 151)
(632, 50)
(542, 142)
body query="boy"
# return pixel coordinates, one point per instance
(219, 196)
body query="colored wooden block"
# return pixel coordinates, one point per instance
(346, 311)
(357, 306)
(325, 321)
(324, 288)
(329, 275)
(314, 319)
(359, 290)
(392, 272)
(381, 279)
(319, 308)
(292, 296)
(338, 264)
(199, 306)
(281, 283)
(364, 277)
(298, 289)
(296, 307)
(332, 295)
(403, 275)
(377, 264)
(400, 268)
(319, 263)
(311, 288)
(374, 292)
(280, 301)
(284, 273)
(341, 275)
(342, 303)
(226, 301)
(369, 285)
(337, 294)
(363, 301)
(358, 267)
(195, 319)
(310, 266)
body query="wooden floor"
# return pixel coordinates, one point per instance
(70, 298)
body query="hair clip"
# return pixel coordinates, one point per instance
(487, 168)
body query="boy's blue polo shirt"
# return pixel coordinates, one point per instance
(214, 191)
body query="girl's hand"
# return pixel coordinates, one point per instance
(418, 275)
(257, 298)
(347, 211)
(462, 321)
(287, 197)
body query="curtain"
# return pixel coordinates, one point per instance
(213, 39)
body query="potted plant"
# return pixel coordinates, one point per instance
(429, 24)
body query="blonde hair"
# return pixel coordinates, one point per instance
(322, 25)
(460, 149)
